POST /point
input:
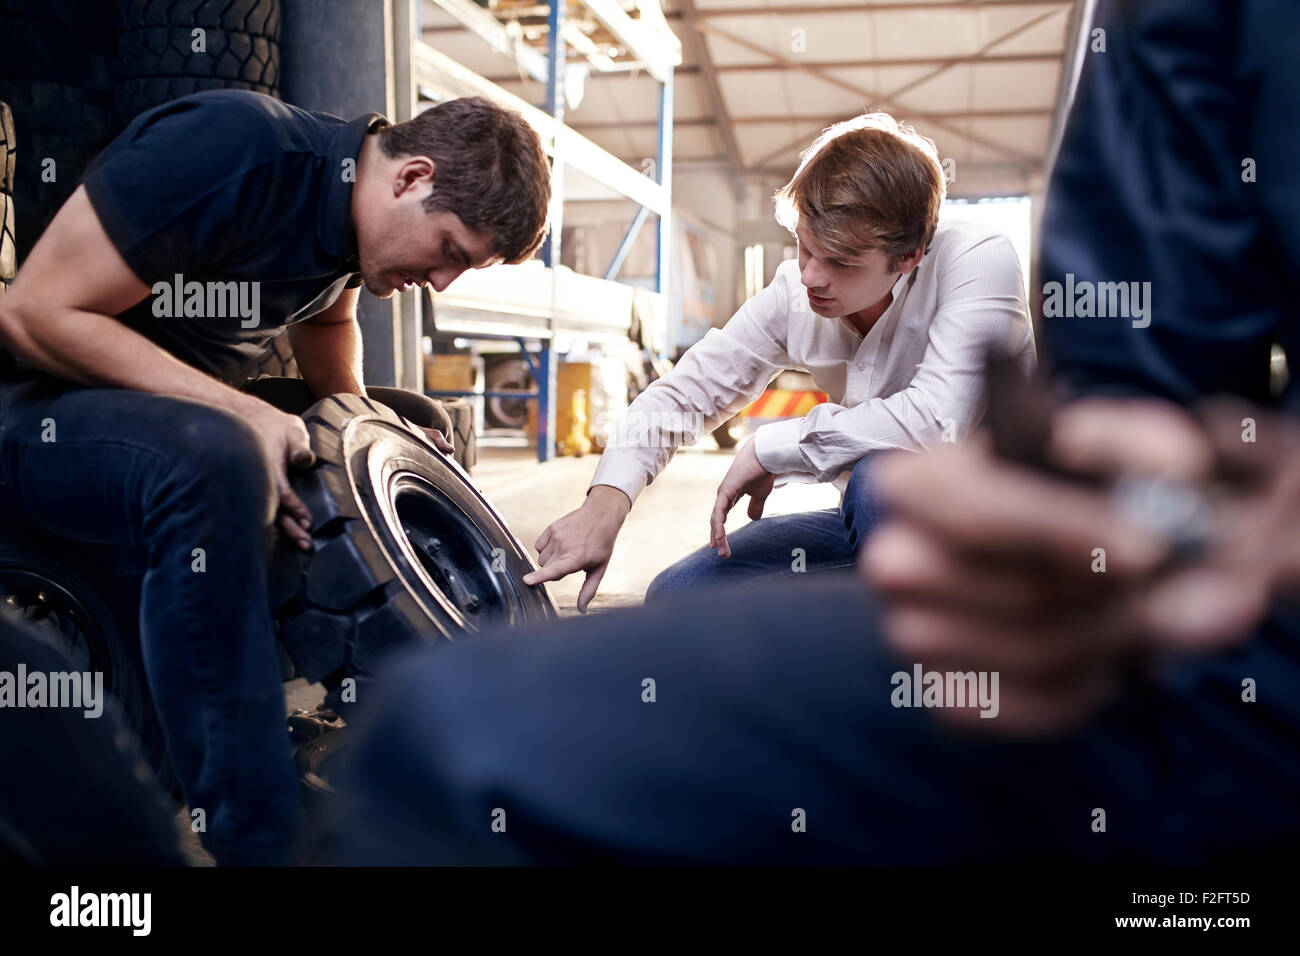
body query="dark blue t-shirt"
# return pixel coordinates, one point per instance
(236, 209)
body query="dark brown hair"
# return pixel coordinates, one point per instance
(866, 183)
(492, 171)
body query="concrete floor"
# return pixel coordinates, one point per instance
(670, 520)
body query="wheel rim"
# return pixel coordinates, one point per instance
(452, 554)
(318, 760)
(41, 599)
(512, 411)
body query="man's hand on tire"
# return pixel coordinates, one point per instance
(285, 442)
(583, 540)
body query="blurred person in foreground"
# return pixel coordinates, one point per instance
(1149, 712)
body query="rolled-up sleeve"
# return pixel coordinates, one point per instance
(981, 306)
(717, 377)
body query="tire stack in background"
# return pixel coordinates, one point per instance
(55, 61)
(8, 158)
(76, 72)
(464, 434)
(172, 48)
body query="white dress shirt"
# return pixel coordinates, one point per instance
(914, 380)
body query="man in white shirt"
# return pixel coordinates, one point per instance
(891, 313)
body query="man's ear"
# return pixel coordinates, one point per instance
(417, 172)
(910, 261)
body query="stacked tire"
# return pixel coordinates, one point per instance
(171, 48)
(279, 360)
(8, 159)
(464, 434)
(55, 61)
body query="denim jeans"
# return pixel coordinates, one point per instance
(775, 700)
(769, 549)
(163, 476)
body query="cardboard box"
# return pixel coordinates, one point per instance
(450, 373)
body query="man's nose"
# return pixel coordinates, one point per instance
(441, 278)
(813, 277)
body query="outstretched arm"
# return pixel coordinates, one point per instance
(718, 376)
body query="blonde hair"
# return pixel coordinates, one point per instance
(866, 183)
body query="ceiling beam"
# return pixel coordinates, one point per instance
(489, 29)
(862, 63)
(769, 66)
(827, 119)
(713, 93)
(867, 97)
(659, 51)
(621, 72)
(957, 61)
(838, 9)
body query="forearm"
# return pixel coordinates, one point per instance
(831, 438)
(329, 356)
(716, 378)
(93, 349)
(609, 499)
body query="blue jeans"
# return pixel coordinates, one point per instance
(777, 699)
(164, 476)
(769, 549)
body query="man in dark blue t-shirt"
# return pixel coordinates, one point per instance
(208, 226)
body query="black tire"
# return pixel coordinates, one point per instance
(165, 52)
(255, 17)
(8, 249)
(464, 435)
(156, 61)
(91, 618)
(8, 142)
(8, 156)
(54, 73)
(378, 491)
(279, 361)
(502, 376)
(728, 434)
(51, 41)
(78, 791)
(10, 370)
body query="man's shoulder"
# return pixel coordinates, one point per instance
(953, 237)
(251, 125)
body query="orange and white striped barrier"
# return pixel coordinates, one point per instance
(783, 403)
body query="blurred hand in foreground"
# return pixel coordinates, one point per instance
(986, 565)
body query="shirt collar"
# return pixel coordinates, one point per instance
(336, 233)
